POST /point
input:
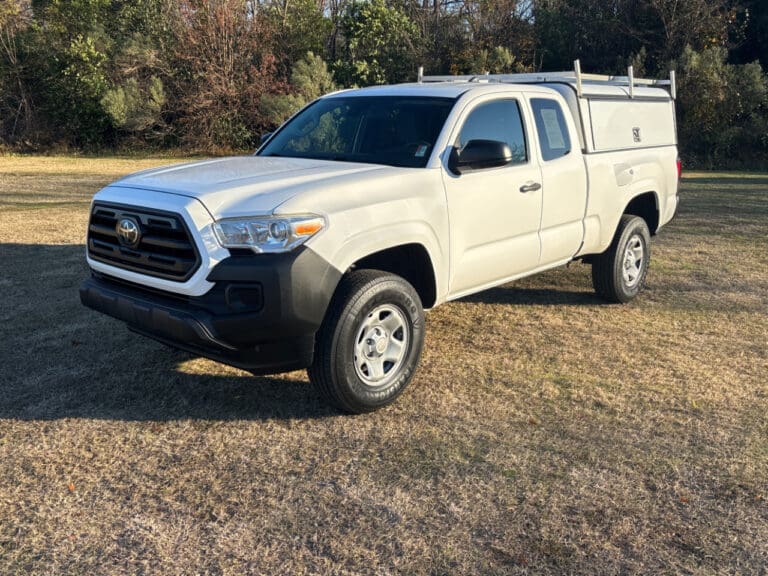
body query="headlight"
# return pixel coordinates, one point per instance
(267, 233)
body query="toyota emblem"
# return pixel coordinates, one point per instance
(128, 232)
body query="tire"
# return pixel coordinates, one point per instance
(619, 273)
(368, 347)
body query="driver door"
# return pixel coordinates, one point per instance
(495, 213)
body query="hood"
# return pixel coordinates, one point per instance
(242, 185)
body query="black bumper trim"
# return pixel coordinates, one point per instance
(276, 335)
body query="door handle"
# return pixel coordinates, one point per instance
(530, 187)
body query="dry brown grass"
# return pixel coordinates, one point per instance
(545, 432)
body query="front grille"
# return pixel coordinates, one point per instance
(165, 248)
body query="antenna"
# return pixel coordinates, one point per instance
(420, 75)
(631, 77)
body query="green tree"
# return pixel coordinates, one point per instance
(722, 110)
(300, 27)
(80, 56)
(132, 108)
(474, 60)
(310, 79)
(71, 50)
(136, 99)
(594, 31)
(604, 34)
(381, 45)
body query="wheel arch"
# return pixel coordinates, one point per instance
(646, 206)
(410, 261)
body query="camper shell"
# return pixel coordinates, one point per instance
(612, 112)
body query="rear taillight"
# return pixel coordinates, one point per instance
(679, 168)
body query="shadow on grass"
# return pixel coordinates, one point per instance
(163, 391)
(534, 296)
(59, 359)
(62, 360)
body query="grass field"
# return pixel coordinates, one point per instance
(545, 432)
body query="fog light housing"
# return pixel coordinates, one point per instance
(244, 297)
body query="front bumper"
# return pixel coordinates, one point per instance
(261, 315)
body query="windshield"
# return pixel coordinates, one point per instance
(393, 130)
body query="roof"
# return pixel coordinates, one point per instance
(434, 89)
(454, 89)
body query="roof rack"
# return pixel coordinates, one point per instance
(574, 76)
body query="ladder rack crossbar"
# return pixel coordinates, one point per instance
(571, 76)
(547, 77)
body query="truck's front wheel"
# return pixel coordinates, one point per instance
(619, 273)
(370, 342)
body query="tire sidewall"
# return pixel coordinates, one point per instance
(387, 291)
(636, 227)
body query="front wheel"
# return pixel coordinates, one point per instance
(370, 342)
(619, 273)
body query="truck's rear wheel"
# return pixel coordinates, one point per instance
(618, 274)
(370, 342)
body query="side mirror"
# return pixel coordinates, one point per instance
(479, 155)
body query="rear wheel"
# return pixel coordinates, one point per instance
(618, 274)
(370, 342)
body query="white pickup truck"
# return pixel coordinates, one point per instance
(368, 206)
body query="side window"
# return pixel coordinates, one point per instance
(554, 139)
(499, 120)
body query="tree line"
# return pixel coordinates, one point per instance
(210, 76)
